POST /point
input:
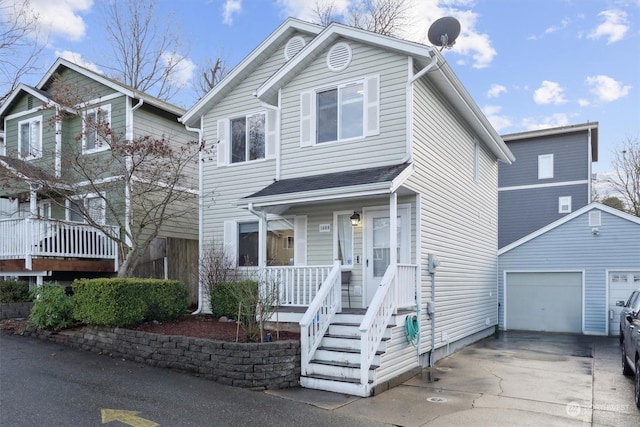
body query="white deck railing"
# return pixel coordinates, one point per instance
(25, 238)
(296, 286)
(318, 317)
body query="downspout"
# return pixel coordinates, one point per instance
(589, 180)
(412, 78)
(58, 149)
(128, 163)
(199, 131)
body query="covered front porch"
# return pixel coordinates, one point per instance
(352, 313)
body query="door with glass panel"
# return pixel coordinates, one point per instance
(377, 227)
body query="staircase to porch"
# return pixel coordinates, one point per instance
(336, 363)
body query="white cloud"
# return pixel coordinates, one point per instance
(470, 44)
(583, 102)
(230, 8)
(183, 73)
(554, 28)
(606, 88)
(555, 120)
(77, 58)
(497, 121)
(496, 90)
(549, 93)
(62, 17)
(614, 27)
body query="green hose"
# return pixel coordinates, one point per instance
(412, 329)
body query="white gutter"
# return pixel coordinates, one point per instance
(199, 131)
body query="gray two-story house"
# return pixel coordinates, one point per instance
(550, 179)
(355, 176)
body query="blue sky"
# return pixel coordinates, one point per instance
(529, 64)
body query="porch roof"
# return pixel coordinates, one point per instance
(25, 172)
(331, 186)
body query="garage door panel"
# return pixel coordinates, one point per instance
(621, 284)
(544, 302)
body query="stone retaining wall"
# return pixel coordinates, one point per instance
(249, 365)
(12, 310)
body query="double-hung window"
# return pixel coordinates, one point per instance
(342, 112)
(96, 126)
(30, 138)
(545, 166)
(89, 206)
(248, 138)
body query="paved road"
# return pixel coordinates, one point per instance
(47, 384)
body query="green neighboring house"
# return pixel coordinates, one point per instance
(48, 235)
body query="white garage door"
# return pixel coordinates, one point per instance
(621, 284)
(550, 302)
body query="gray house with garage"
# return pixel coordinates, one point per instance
(572, 275)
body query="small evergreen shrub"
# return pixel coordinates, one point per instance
(14, 291)
(121, 302)
(52, 307)
(223, 301)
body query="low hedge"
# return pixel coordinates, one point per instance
(121, 302)
(14, 291)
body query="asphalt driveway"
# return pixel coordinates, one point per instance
(513, 379)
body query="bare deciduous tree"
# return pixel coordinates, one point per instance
(145, 56)
(20, 44)
(210, 75)
(626, 179)
(387, 17)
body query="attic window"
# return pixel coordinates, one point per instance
(339, 57)
(293, 46)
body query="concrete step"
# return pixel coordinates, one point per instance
(334, 384)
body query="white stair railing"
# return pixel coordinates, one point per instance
(375, 321)
(318, 317)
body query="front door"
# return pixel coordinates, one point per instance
(377, 246)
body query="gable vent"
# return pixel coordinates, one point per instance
(29, 102)
(293, 46)
(339, 57)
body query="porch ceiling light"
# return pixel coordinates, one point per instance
(355, 218)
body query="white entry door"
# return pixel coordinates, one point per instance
(378, 247)
(621, 284)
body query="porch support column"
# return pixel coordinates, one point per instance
(262, 241)
(393, 229)
(33, 201)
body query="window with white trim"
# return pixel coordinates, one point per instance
(564, 204)
(30, 138)
(280, 243)
(247, 138)
(343, 238)
(90, 205)
(545, 166)
(345, 111)
(594, 219)
(96, 125)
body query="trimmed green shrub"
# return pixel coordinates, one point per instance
(14, 291)
(52, 307)
(121, 302)
(223, 301)
(167, 299)
(108, 302)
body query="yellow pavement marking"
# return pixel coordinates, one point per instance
(126, 417)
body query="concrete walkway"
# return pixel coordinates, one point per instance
(514, 379)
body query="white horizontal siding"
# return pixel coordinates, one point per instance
(386, 148)
(458, 220)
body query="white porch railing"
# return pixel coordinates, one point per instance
(375, 321)
(25, 238)
(317, 318)
(296, 286)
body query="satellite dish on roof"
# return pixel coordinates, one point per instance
(444, 32)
